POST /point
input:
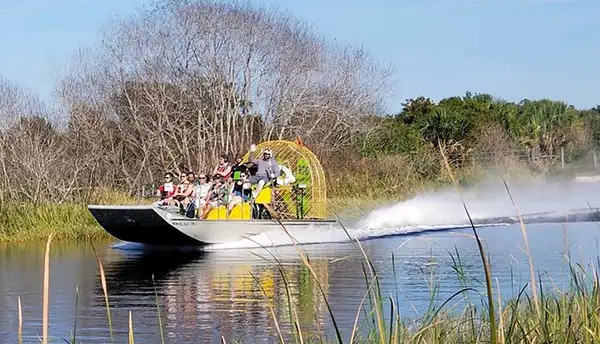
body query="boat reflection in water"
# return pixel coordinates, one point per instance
(203, 295)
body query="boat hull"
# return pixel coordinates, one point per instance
(157, 226)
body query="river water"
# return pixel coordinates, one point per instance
(205, 295)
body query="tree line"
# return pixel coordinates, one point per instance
(473, 125)
(178, 84)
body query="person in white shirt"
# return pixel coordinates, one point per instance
(202, 190)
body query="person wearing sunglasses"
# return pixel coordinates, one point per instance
(240, 191)
(202, 189)
(167, 189)
(267, 169)
(185, 192)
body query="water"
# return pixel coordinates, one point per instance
(204, 295)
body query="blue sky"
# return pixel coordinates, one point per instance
(513, 49)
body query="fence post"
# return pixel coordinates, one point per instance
(562, 157)
(595, 160)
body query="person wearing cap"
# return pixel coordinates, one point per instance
(267, 169)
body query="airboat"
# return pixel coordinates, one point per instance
(300, 204)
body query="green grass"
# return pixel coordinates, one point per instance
(27, 222)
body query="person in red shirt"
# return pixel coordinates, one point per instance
(167, 189)
(223, 169)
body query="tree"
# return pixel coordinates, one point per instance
(187, 81)
(415, 109)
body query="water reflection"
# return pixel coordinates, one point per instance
(203, 294)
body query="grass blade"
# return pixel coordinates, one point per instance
(20, 315)
(271, 308)
(74, 339)
(160, 325)
(529, 257)
(486, 267)
(131, 340)
(105, 291)
(362, 301)
(316, 277)
(45, 291)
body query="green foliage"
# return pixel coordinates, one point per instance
(445, 126)
(392, 137)
(545, 125)
(30, 222)
(591, 119)
(414, 109)
(541, 127)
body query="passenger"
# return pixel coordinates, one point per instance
(167, 189)
(278, 200)
(184, 192)
(197, 179)
(267, 169)
(223, 169)
(238, 166)
(216, 196)
(182, 183)
(202, 190)
(240, 192)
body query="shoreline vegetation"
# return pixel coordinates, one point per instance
(71, 221)
(22, 222)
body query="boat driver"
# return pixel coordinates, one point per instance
(267, 169)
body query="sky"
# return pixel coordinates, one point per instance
(513, 49)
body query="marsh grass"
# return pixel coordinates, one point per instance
(25, 222)
(29, 222)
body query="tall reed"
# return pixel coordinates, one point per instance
(46, 286)
(486, 267)
(20, 319)
(105, 291)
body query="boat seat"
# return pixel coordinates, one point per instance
(240, 211)
(265, 196)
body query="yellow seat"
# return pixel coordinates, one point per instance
(241, 211)
(218, 213)
(264, 197)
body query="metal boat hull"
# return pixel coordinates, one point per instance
(156, 226)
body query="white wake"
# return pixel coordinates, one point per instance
(442, 210)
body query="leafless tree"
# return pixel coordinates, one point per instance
(173, 87)
(36, 159)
